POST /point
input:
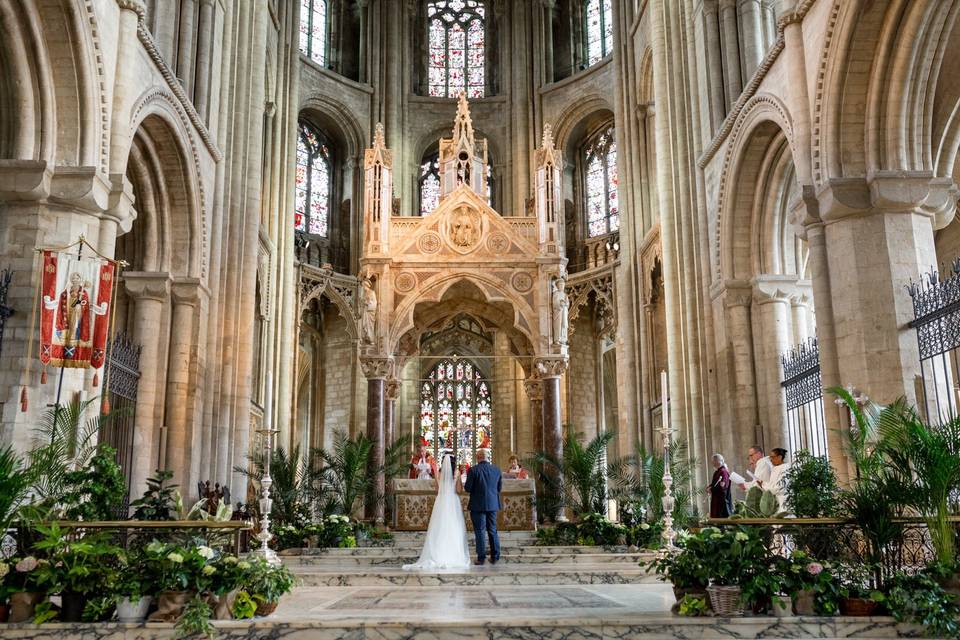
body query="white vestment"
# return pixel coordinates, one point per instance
(762, 471)
(445, 545)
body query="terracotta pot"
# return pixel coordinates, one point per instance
(133, 611)
(71, 606)
(170, 606)
(22, 605)
(266, 608)
(858, 607)
(223, 605)
(4, 612)
(803, 602)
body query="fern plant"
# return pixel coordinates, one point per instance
(14, 485)
(345, 473)
(295, 484)
(581, 483)
(637, 480)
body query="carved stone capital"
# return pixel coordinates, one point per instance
(376, 368)
(83, 188)
(24, 180)
(534, 389)
(186, 291)
(142, 285)
(552, 367)
(393, 389)
(121, 203)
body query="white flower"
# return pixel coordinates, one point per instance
(644, 526)
(741, 536)
(4, 569)
(205, 552)
(27, 564)
(243, 565)
(230, 560)
(209, 570)
(155, 547)
(175, 558)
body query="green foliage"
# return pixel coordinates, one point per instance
(811, 486)
(244, 607)
(72, 563)
(583, 473)
(733, 555)
(99, 609)
(693, 606)
(268, 582)
(685, 568)
(637, 483)
(296, 483)
(133, 579)
(44, 612)
(14, 485)
(159, 501)
(759, 503)
(592, 529)
(179, 568)
(96, 491)
(346, 474)
(921, 600)
(195, 620)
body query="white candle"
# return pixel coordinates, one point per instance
(513, 437)
(413, 426)
(663, 398)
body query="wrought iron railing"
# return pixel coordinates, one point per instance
(936, 319)
(803, 389)
(5, 310)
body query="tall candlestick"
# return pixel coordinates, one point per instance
(413, 426)
(663, 397)
(513, 438)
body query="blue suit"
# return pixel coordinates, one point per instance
(484, 484)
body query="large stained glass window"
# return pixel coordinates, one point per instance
(456, 410)
(313, 30)
(430, 184)
(314, 173)
(600, 183)
(599, 30)
(456, 48)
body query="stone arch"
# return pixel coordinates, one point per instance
(167, 186)
(763, 119)
(429, 140)
(491, 300)
(314, 291)
(574, 115)
(338, 121)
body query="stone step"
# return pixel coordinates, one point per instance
(503, 573)
(505, 550)
(629, 560)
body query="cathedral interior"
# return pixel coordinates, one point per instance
(482, 223)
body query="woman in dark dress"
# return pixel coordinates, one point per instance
(720, 499)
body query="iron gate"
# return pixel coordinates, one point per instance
(936, 319)
(803, 388)
(5, 310)
(123, 378)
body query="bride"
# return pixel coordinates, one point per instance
(445, 545)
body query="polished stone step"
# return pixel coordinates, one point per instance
(631, 560)
(505, 549)
(504, 573)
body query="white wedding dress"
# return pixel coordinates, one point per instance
(445, 545)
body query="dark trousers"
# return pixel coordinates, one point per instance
(485, 524)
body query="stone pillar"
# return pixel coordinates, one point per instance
(125, 87)
(151, 295)
(548, 7)
(731, 51)
(736, 437)
(201, 92)
(376, 370)
(180, 391)
(751, 30)
(364, 56)
(390, 413)
(800, 310)
(714, 53)
(186, 34)
(534, 390)
(879, 236)
(772, 340)
(551, 370)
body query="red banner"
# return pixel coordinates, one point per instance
(102, 313)
(48, 305)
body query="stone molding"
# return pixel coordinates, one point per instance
(83, 188)
(120, 206)
(376, 367)
(136, 6)
(143, 285)
(24, 180)
(186, 291)
(889, 192)
(552, 366)
(772, 288)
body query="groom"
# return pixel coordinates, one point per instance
(484, 485)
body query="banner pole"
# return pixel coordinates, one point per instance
(56, 404)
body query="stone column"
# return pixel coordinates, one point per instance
(201, 92)
(736, 437)
(533, 387)
(773, 314)
(151, 295)
(731, 50)
(364, 56)
(751, 31)
(800, 310)
(548, 7)
(879, 236)
(185, 45)
(714, 53)
(125, 87)
(185, 296)
(376, 370)
(390, 413)
(551, 369)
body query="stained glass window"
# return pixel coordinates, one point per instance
(455, 410)
(600, 183)
(456, 56)
(599, 30)
(430, 184)
(313, 180)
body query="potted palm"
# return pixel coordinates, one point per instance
(266, 583)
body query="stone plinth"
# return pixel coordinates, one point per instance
(413, 504)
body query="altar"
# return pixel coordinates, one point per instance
(413, 503)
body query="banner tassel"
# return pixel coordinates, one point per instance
(105, 407)
(96, 379)
(43, 376)
(23, 400)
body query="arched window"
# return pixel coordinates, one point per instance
(600, 183)
(313, 30)
(429, 182)
(456, 410)
(598, 30)
(457, 48)
(314, 179)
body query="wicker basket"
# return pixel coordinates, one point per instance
(725, 600)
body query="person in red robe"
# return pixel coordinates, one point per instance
(73, 313)
(422, 464)
(721, 504)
